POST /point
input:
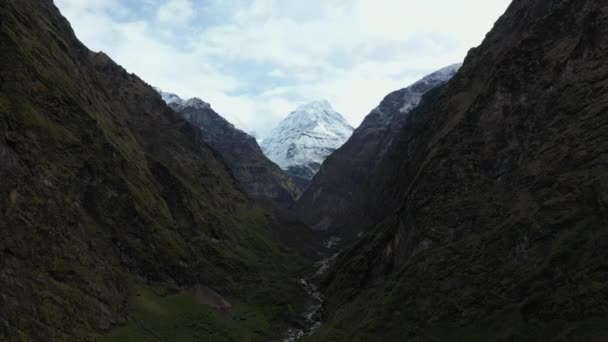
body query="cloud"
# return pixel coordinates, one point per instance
(92, 6)
(175, 12)
(255, 60)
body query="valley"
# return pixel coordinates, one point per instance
(314, 311)
(469, 205)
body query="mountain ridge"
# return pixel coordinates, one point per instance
(338, 194)
(259, 176)
(115, 212)
(495, 226)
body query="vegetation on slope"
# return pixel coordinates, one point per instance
(112, 205)
(500, 232)
(260, 177)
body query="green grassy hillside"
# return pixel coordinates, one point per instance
(113, 209)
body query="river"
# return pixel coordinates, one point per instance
(313, 315)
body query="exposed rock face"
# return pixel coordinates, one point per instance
(106, 192)
(260, 177)
(499, 227)
(338, 198)
(305, 138)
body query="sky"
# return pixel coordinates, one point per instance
(257, 60)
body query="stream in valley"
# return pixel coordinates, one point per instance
(313, 315)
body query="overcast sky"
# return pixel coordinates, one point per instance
(256, 60)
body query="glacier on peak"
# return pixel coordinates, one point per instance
(302, 141)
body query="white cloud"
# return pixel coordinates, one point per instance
(175, 12)
(93, 6)
(277, 73)
(255, 60)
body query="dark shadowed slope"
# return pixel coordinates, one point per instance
(338, 198)
(502, 180)
(259, 177)
(115, 216)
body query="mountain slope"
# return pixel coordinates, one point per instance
(500, 179)
(301, 142)
(260, 177)
(337, 196)
(114, 212)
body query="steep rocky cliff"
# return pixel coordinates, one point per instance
(115, 216)
(500, 180)
(338, 198)
(260, 177)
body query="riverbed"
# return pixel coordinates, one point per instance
(313, 315)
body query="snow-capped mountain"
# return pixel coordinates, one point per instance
(169, 98)
(410, 97)
(302, 141)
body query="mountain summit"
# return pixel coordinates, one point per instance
(176, 102)
(302, 141)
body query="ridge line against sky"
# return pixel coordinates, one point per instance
(256, 60)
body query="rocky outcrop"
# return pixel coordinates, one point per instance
(258, 176)
(302, 141)
(338, 198)
(498, 229)
(112, 206)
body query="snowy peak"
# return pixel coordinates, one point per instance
(320, 112)
(195, 103)
(179, 103)
(306, 137)
(169, 98)
(414, 93)
(316, 118)
(408, 98)
(316, 110)
(440, 76)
